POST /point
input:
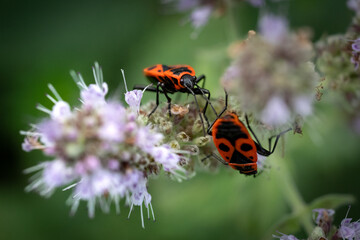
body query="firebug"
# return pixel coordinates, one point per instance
(176, 78)
(234, 143)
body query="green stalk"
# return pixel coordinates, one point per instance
(293, 196)
(233, 27)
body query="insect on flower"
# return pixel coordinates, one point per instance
(235, 144)
(177, 78)
(102, 151)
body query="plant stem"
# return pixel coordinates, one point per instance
(293, 196)
(234, 28)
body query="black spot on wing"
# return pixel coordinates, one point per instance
(179, 70)
(159, 70)
(239, 158)
(175, 81)
(168, 83)
(164, 67)
(230, 131)
(151, 68)
(223, 147)
(246, 147)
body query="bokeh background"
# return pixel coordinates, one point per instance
(40, 41)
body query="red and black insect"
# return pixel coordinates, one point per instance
(235, 144)
(177, 78)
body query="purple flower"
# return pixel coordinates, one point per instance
(101, 150)
(349, 230)
(27, 146)
(139, 197)
(276, 112)
(356, 45)
(321, 213)
(61, 111)
(51, 131)
(113, 164)
(133, 98)
(112, 122)
(54, 174)
(200, 16)
(147, 139)
(166, 157)
(94, 94)
(273, 28)
(285, 237)
(355, 59)
(355, 53)
(354, 5)
(140, 194)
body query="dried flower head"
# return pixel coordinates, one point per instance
(183, 131)
(272, 75)
(101, 150)
(339, 61)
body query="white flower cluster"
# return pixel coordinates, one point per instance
(101, 150)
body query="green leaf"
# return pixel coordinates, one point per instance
(288, 224)
(331, 201)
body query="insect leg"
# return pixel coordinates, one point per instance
(216, 157)
(218, 116)
(197, 105)
(202, 92)
(276, 140)
(248, 125)
(157, 99)
(169, 101)
(201, 77)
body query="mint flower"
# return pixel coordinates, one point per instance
(198, 11)
(133, 98)
(273, 28)
(101, 151)
(322, 214)
(324, 218)
(272, 74)
(183, 132)
(349, 230)
(339, 61)
(200, 16)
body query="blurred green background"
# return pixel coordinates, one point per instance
(41, 41)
